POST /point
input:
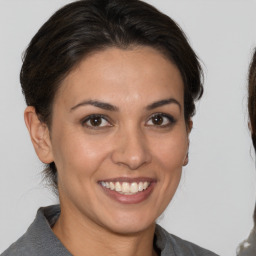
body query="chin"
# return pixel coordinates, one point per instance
(130, 224)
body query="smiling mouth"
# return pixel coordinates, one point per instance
(126, 188)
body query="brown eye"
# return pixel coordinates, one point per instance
(161, 120)
(95, 121)
(157, 120)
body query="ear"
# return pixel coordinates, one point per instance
(250, 126)
(39, 134)
(189, 128)
(185, 162)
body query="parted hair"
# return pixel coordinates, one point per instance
(87, 26)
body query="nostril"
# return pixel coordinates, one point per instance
(131, 157)
(131, 148)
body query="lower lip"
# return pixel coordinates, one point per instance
(130, 199)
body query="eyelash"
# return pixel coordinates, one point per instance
(170, 121)
(95, 116)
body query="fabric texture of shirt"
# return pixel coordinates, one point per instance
(39, 240)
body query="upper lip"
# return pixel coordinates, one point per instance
(129, 179)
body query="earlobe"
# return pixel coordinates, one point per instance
(190, 125)
(39, 134)
(185, 162)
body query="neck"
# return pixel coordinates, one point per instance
(86, 238)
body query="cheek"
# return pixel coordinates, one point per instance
(171, 151)
(169, 158)
(77, 155)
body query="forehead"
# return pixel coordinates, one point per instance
(114, 74)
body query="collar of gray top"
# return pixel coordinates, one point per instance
(39, 240)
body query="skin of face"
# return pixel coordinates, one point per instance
(136, 97)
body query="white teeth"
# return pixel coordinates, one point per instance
(118, 187)
(112, 185)
(126, 188)
(134, 187)
(141, 187)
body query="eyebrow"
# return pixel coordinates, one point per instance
(162, 103)
(95, 103)
(110, 107)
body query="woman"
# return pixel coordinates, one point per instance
(248, 248)
(110, 87)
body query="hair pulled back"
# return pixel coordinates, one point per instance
(252, 105)
(87, 26)
(252, 98)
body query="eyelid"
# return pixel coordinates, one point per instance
(89, 117)
(170, 118)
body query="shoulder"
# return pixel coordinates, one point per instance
(248, 247)
(179, 247)
(39, 240)
(21, 247)
(189, 248)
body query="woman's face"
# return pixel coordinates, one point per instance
(119, 138)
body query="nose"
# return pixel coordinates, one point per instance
(131, 149)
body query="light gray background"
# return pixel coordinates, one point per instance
(214, 203)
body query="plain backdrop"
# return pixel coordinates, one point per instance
(214, 203)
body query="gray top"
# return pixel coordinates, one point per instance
(248, 247)
(39, 240)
